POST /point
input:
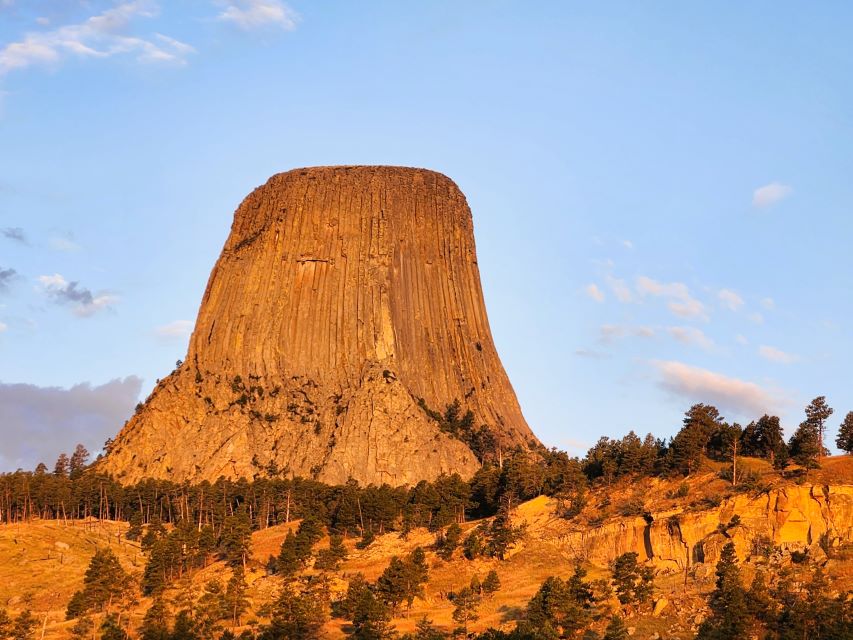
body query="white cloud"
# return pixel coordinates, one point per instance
(681, 303)
(768, 303)
(620, 289)
(741, 339)
(627, 244)
(593, 291)
(730, 299)
(3, 327)
(776, 355)
(728, 394)
(610, 332)
(691, 336)
(83, 302)
(770, 194)
(176, 329)
(100, 36)
(252, 14)
(756, 318)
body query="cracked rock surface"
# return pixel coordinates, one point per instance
(342, 296)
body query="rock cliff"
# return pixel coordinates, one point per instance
(344, 312)
(789, 518)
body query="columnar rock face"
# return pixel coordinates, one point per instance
(345, 306)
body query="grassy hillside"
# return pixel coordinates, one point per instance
(42, 563)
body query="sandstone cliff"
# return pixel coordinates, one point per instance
(345, 301)
(787, 518)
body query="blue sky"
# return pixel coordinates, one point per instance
(661, 191)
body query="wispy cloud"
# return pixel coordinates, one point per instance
(770, 194)
(730, 299)
(16, 234)
(38, 423)
(174, 330)
(6, 278)
(607, 333)
(627, 244)
(768, 303)
(741, 339)
(254, 14)
(620, 289)
(594, 292)
(63, 243)
(591, 354)
(83, 302)
(776, 355)
(756, 318)
(691, 336)
(3, 327)
(101, 36)
(695, 384)
(681, 303)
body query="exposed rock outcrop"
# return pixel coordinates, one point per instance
(795, 517)
(345, 302)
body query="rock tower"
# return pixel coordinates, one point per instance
(344, 313)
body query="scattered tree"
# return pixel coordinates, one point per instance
(616, 629)
(466, 601)
(633, 583)
(729, 614)
(817, 413)
(844, 441)
(491, 583)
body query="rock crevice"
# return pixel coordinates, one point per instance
(342, 294)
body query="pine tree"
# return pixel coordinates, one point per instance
(111, 629)
(78, 461)
(235, 601)
(297, 615)
(185, 627)
(446, 542)
(82, 629)
(466, 602)
(104, 583)
(729, 614)
(758, 598)
(370, 618)
(424, 630)
(331, 558)
(491, 583)
(210, 609)
(134, 532)
(633, 583)
(237, 538)
(805, 446)
(844, 441)
(155, 623)
(769, 440)
(62, 466)
(403, 580)
(501, 534)
(24, 626)
(616, 629)
(560, 608)
(817, 413)
(700, 421)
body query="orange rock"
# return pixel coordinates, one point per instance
(342, 296)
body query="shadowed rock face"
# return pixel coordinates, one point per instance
(343, 295)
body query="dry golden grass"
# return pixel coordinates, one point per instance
(42, 563)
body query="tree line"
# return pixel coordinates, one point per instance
(75, 489)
